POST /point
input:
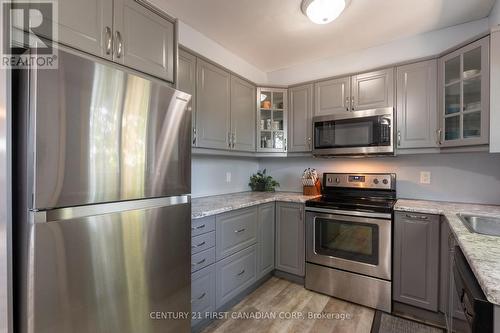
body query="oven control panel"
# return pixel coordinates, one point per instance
(383, 181)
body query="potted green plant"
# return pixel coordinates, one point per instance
(262, 182)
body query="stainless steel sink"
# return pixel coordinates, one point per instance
(485, 225)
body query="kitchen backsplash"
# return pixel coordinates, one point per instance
(466, 177)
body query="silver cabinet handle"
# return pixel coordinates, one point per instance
(399, 138)
(233, 140)
(229, 139)
(347, 103)
(309, 143)
(108, 35)
(199, 262)
(417, 217)
(241, 273)
(285, 144)
(194, 136)
(201, 244)
(199, 227)
(119, 44)
(202, 295)
(240, 230)
(439, 133)
(352, 103)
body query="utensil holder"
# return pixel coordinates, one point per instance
(313, 190)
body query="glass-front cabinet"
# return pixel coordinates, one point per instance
(464, 95)
(272, 119)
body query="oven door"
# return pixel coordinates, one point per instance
(355, 133)
(356, 244)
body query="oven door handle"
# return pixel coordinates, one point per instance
(344, 214)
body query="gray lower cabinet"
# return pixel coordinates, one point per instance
(290, 251)
(235, 231)
(265, 239)
(186, 81)
(447, 282)
(416, 260)
(242, 114)
(202, 293)
(144, 40)
(417, 116)
(300, 118)
(213, 106)
(332, 96)
(372, 90)
(234, 274)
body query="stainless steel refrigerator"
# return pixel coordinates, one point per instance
(102, 215)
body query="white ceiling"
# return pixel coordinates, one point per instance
(274, 34)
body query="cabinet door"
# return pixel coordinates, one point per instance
(143, 39)
(332, 96)
(86, 25)
(417, 105)
(416, 260)
(447, 282)
(464, 95)
(372, 90)
(242, 115)
(300, 124)
(265, 248)
(212, 106)
(290, 245)
(186, 81)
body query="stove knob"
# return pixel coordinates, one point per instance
(337, 180)
(375, 181)
(329, 180)
(385, 181)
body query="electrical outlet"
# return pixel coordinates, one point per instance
(425, 177)
(228, 177)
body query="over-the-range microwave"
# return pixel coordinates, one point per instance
(357, 133)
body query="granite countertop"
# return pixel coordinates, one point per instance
(482, 251)
(206, 206)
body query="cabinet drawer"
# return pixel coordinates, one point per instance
(202, 242)
(202, 225)
(236, 231)
(235, 274)
(202, 292)
(202, 259)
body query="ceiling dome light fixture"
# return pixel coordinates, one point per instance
(323, 11)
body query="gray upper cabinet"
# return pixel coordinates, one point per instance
(87, 25)
(372, 90)
(143, 39)
(332, 96)
(416, 260)
(300, 121)
(265, 238)
(417, 105)
(242, 115)
(290, 247)
(186, 81)
(213, 109)
(464, 95)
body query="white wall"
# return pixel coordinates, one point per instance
(209, 174)
(494, 18)
(419, 46)
(466, 177)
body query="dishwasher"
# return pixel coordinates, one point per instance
(478, 311)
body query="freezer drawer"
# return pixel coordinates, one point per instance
(111, 272)
(102, 134)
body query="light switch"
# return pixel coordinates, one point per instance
(425, 177)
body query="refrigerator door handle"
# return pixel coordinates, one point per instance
(61, 214)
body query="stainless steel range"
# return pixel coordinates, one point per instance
(349, 238)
